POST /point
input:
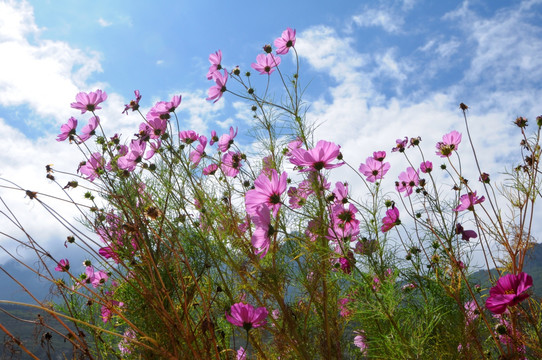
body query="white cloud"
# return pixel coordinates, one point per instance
(45, 75)
(201, 113)
(16, 21)
(378, 18)
(387, 15)
(501, 82)
(104, 23)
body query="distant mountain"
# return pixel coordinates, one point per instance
(10, 290)
(532, 266)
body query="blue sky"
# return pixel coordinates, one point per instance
(377, 71)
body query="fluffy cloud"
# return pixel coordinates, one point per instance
(41, 74)
(501, 81)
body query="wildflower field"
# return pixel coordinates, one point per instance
(197, 248)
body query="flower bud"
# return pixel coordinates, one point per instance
(484, 177)
(521, 122)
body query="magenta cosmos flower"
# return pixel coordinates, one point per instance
(468, 201)
(226, 140)
(265, 63)
(199, 153)
(216, 91)
(450, 142)
(245, 316)
(89, 102)
(465, 234)
(318, 158)
(188, 136)
(266, 191)
(215, 59)
(231, 163)
(285, 42)
(407, 181)
(374, 169)
(67, 130)
(89, 129)
(426, 167)
(508, 291)
(134, 104)
(391, 219)
(261, 237)
(63, 265)
(93, 167)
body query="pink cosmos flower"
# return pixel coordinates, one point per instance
(108, 253)
(210, 169)
(89, 102)
(296, 198)
(342, 234)
(158, 127)
(174, 103)
(197, 154)
(471, 312)
(93, 166)
(285, 42)
(154, 148)
(407, 181)
(468, 201)
(261, 237)
(341, 192)
(344, 311)
(298, 195)
(361, 341)
(89, 129)
(231, 163)
(188, 136)
(293, 145)
(400, 145)
(344, 218)
(318, 158)
(125, 343)
(216, 91)
(134, 104)
(129, 161)
(67, 130)
(266, 191)
(95, 278)
(226, 140)
(215, 60)
(465, 234)
(63, 265)
(426, 167)
(106, 312)
(508, 291)
(245, 316)
(450, 142)
(374, 169)
(265, 63)
(159, 110)
(165, 107)
(408, 287)
(391, 219)
(379, 155)
(241, 354)
(214, 138)
(344, 262)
